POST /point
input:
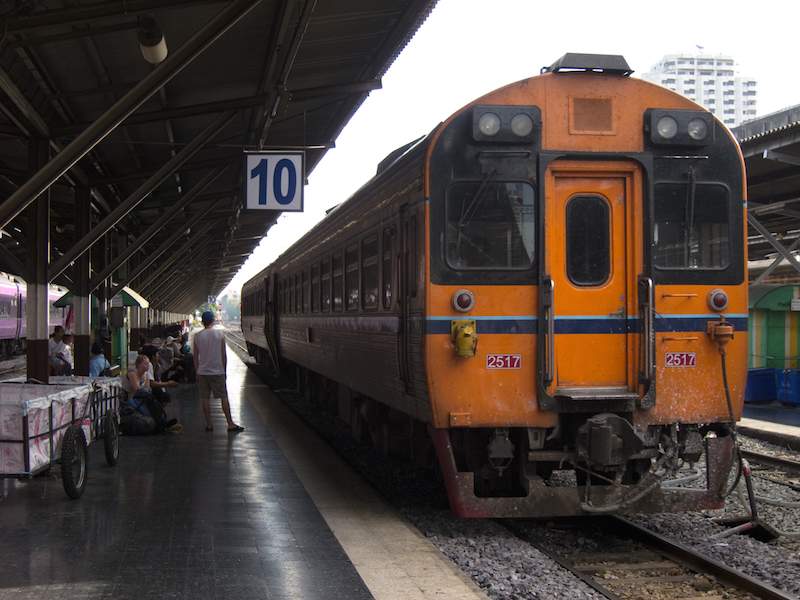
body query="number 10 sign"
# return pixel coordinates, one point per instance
(274, 181)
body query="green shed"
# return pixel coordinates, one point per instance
(774, 326)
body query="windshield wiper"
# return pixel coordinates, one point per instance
(690, 206)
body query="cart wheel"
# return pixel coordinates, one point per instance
(111, 439)
(74, 461)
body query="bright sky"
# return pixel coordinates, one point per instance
(469, 47)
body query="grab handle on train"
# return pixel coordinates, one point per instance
(646, 299)
(548, 298)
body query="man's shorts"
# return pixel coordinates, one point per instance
(208, 385)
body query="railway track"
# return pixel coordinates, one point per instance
(624, 561)
(635, 563)
(787, 465)
(236, 339)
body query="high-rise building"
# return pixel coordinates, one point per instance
(713, 81)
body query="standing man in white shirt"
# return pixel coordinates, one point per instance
(210, 362)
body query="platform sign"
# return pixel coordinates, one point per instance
(274, 181)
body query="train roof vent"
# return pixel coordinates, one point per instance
(613, 64)
(396, 154)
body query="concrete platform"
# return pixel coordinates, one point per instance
(269, 513)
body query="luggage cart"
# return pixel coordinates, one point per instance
(41, 425)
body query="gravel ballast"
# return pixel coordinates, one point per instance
(509, 568)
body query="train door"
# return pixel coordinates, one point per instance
(408, 284)
(270, 310)
(591, 264)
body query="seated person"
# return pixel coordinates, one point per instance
(159, 391)
(55, 351)
(139, 386)
(68, 355)
(98, 363)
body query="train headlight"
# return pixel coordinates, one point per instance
(489, 124)
(717, 300)
(679, 127)
(667, 127)
(522, 125)
(697, 129)
(497, 124)
(463, 301)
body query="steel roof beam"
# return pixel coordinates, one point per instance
(279, 87)
(123, 107)
(773, 241)
(775, 263)
(192, 110)
(75, 33)
(166, 245)
(92, 12)
(782, 157)
(204, 164)
(132, 201)
(156, 227)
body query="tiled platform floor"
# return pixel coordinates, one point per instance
(194, 515)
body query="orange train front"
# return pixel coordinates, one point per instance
(545, 283)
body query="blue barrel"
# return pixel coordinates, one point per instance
(762, 385)
(789, 387)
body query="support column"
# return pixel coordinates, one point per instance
(37, 305)
(81, 304)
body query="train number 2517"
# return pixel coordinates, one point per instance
(680, 359)
(503, 361)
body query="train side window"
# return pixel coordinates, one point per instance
(315, 288)
(351, 277)
(369, 272)
(338, 283)
(411, 238)
(298, 294)
(325, 276)
(588, 240)
(306, 292)
(692, 227)
(387, 260)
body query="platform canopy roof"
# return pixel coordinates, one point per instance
(165, 184)
(771, 148)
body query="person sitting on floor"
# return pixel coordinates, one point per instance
(98, 363)
(159, 391)
(139, 386)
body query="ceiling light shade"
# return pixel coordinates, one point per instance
(151, 40)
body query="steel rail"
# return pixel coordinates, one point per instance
(682, 555)
(778, 462)
(696, 561)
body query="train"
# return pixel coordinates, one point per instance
(12, 313)
(544, 298)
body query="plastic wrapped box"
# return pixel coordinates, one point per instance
(26, 420)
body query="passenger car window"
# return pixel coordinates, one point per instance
(490, 225)
(351, 278)
(369, 271)
(588, 240)
(315, 288)
(387, 261)
(338, 283)
(692, 229)
(326, 285)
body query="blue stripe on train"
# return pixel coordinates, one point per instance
(586, 324)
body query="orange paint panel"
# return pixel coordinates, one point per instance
(696, 395)
(492, 397)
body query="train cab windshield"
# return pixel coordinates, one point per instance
(490, 225)
(692, 229)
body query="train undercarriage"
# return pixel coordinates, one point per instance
(589, 464)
